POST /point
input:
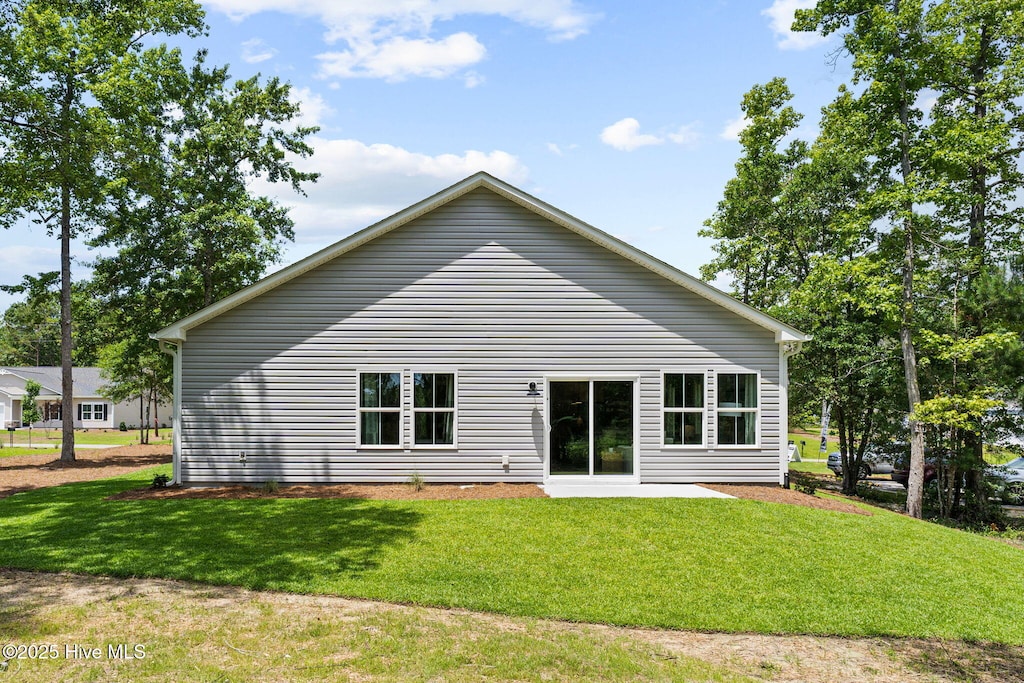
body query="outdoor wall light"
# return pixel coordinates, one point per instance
(533, 390)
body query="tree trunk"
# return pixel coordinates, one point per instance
(915, 483)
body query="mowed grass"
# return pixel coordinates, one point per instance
(729, 565)
(10, 452)
(814, 467)
(104, 437)
(187, 635)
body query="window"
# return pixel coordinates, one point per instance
(92, 411)
(737, 409)
(380, 411)
(683, 409)
(433, 408)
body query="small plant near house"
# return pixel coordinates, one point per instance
(804, 482)
(160, 481)
(270, 487)
(122, 427)
(416, 481)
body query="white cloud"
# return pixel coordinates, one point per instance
(685, 135)
(313, 107)
(734, 127)
(555, 149)
(392, 39)
(362, 183)
(255, 51)
(625, 135)
(398, 58)
(780, 18)
(473, 79)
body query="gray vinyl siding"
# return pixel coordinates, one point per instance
(481, 287)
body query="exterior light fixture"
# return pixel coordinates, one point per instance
(533, 390)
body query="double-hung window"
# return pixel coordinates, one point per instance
(433, 408)
(683, 409)
(738, 409)
(380, 408)
(92, 411)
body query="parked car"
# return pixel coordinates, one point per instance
(1009, 475)
(874, 463)
(902, 476)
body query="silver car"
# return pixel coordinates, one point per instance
(1009, 475)
(874, 463)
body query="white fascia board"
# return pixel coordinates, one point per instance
(177, 332)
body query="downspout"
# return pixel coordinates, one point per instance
(174, 350)
(787, 349)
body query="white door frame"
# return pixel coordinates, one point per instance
(592, 478)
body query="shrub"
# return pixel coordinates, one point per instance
(416, 481)
(122, 427)
(160, 481)
(270, 486)
(803, 482)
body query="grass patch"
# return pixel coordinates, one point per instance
(11, 451)
(222, 637)
(678, 563)
(813, 467)
(100, 437)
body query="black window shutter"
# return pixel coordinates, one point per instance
(79, 411)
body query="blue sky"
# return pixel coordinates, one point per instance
(622, 114)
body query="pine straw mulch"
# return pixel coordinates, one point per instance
(367, 491)
(26, 472)
(763, 492)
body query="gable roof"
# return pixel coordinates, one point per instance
(87, 380)
(177, 332)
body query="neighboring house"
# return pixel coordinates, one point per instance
(480, 335)
(92, 410)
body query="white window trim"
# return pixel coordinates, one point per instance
(757, 411)
(454, 409)
(92, 410)
(360, 409)
(703, 412)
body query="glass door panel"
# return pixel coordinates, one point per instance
(569, 441)
(613, 427)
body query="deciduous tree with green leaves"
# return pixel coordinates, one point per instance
(196, 232)
(80, 94)
(29, 408)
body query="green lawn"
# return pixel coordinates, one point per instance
(106, 437)
(732, 565)
(815, 467)
(8, 451)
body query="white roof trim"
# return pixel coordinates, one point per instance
(177, 332)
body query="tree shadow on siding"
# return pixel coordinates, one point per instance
(306, 545)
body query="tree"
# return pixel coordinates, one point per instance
(29, 407)
(886, 41)
(138, 374)
(793, 234)
(78, 94)
(195, 232)
(960, 157)
(30, 331)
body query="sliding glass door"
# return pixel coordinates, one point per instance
(592, 424)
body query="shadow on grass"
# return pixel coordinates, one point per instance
(279, 543)
(964, 661)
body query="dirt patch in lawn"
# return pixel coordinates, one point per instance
(776, 494)
(26, 472)
(186, 626)
(368, 491)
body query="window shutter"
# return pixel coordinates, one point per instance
(79, 411)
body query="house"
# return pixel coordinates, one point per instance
(92, 410)
(480, 335)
